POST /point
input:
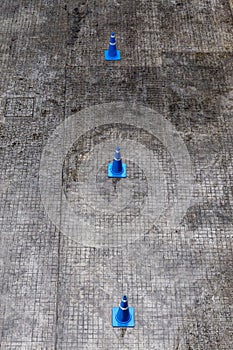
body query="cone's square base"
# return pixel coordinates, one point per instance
(115, 175)
(112, 58)
(116, 323)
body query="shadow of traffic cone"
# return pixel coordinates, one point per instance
(123, 316)
(117, 169)
(112, 54)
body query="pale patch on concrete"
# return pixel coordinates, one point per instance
(84, 230)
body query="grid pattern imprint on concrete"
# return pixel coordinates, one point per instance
(73, 241)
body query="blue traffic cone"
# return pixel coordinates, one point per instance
(117, 169)
(123, 316)
(112, 54)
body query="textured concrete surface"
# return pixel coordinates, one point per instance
(73, 241)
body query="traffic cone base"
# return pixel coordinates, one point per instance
(117, 57)
(117, 323)
(122, 174)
